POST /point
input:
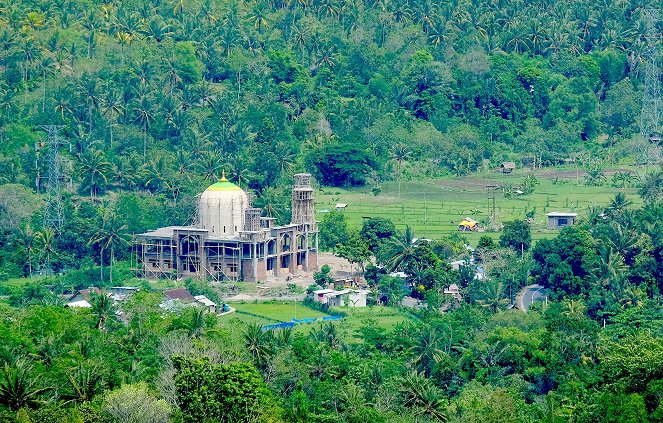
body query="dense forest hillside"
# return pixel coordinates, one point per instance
(158, 95)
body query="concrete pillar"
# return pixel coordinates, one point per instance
(254, 261)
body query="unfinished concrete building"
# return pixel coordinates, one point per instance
(232, 240)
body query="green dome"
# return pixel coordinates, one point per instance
(223, 185)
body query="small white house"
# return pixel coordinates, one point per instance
(341, 206)
(357, 298)
(336, 298)
(209, 304)
(79, 304)
(319, 295)
(454, 291)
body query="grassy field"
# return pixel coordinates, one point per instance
(282, 312)
(383, 317)
(433, 208)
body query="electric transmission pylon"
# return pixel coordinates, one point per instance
(54, 212)
(650, 117)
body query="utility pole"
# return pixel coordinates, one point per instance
(54, 212)
(650, 116)
(491, 198)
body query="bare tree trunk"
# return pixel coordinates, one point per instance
(112, 258)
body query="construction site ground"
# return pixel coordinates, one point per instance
(280, 287)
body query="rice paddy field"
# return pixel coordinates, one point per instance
(433, 208)
(281, 312)
(266, 313)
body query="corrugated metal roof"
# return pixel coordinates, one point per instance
(179, 294)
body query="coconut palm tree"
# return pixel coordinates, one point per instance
(618, 205)
(111, 234)
(88, 89)
(45, 244)
(421, 395)
(84, 384)
(258, 343)
(399, 249)
(28, 243)
(143, 115)
(102, 308)
(400, 154)
(112, 109)
(574, 308)
(95, 170)
(197, 323)
(492, 295)
(19, 388)
(652, 187)
(46, 67)
(427, 350)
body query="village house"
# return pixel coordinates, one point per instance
(559, 220)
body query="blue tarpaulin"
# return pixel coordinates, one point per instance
(294, 322)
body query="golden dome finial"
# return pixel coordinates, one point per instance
(223, 176)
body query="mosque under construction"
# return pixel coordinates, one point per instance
(232, 240)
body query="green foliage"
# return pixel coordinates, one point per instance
(355, 250)
(333, 230)
(516, 235)
(375, 231)
(340, 165)
(324, 276)
(232, 392)
(135, 404)
(19, 387)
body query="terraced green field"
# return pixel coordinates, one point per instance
(433, 208)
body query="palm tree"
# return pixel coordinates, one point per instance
(45, 243)
(111, 234)
(400, 154)
(143, 116)
(426, 352)
(209, 165)
(574, 308)
(46, 67)
(18, 387)
(112, 108)
(197, 323)
(300, 37)
(102, 308)
(492, 295)
(633, 296)
(88, 89)
(95, 170)
(327, 334)
(421, 395)
(610, 269)
(652, 187)
(399, 249)
(28, 243)
(84, 384)
(258, 343)
(269, 202)
(618, 205)
(258, 16)
(623, 179)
